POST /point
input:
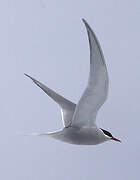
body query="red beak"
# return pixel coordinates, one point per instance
(115, 139)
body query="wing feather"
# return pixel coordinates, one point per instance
(67, 107)
(96, 91)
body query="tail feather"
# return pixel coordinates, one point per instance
(36, 134)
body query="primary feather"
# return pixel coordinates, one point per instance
(67, 107)
(96, 91)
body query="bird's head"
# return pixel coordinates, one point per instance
(109, 135)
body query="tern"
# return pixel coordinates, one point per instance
(79, 119)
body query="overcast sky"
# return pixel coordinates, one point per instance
(47, 39)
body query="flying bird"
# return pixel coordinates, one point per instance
(79, 119)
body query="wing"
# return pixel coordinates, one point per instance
(67, 107)
(96, 91)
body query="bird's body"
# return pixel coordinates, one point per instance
(79, 119)
(80, 136)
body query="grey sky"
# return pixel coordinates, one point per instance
(47, 39)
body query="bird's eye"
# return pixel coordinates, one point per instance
(107, 133)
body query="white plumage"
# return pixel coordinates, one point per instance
(79, 120)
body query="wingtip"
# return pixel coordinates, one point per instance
(84, 21)
(28, 76)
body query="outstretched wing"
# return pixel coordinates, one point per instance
(96, 91)
(67, 107)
